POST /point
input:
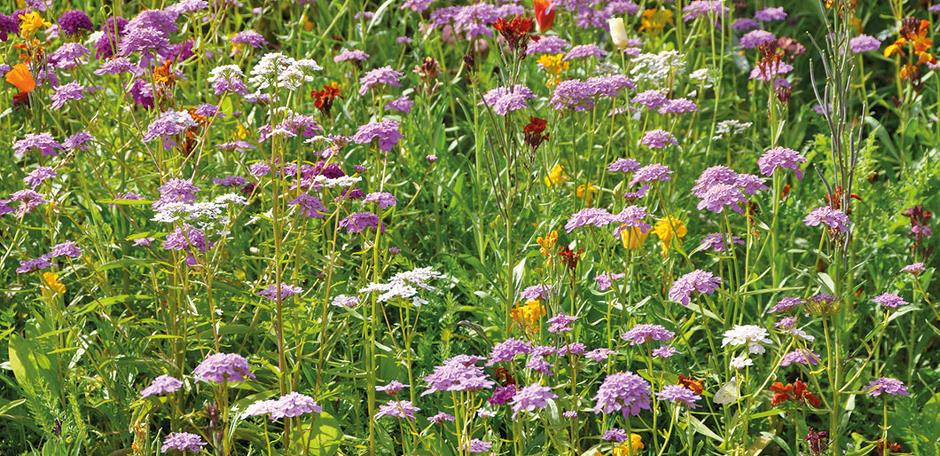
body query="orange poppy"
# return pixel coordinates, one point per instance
(21, 78)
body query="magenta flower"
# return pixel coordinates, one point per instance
(386, 132)
(183, 442)
(886, 385)
(835, 219)
(507, 350)
(531, 398)
(864, 43)
(398, 409)
(162, 385)
(658, 139)
(890, 300)
(756, 38)
(379, 77)
(679, 394)
(223, 367)
(643, 333)
(780, 158)
(560, 323)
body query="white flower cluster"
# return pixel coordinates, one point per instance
(754, 337)
(201, 213)
(656, 68)
(282, 71)
(404, 285)
(730, 128)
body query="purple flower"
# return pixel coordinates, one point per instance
(744, 24)
(385, 131)
(43, 142)
(358, 222)
(664, 351)
(73, 22)
(162, 385)
(67, 249)
(614, 435)
(623, 165)
(311, 206)
(177, 191)
(188, 6)
(643, 333)
(539, 364)
(402, 104)
(697, 280)
(223, 367)
(504, 100)
(583, 51)
(167, 125)
(864, 43)
(144, 40)
(756, 38)
(717, 242)
(39, 175)
(785, 304)
(459, 373)
(703, 8)
(440, 418)
(802, 356)
(393, 388)
(345, 301)
(678, 106)
(116, 66)
(379, 76)
(68, 56)
(280, 292)
(249, 37)
(780, 158)
(293, 404)
(886, 385)
(772, 72)
(478, 446)
(574, 348)
(651, 173)
(354, 55)
(605, 280)
(531, 398)
(591, 216)
(650, 99)
(507, 350)
(623, 392)
(835, 219)
(77, 142)
(9, 25)
(599, 354)
(771, 14)
(547, 45)
(182, 442)
(65, 93)
(540, 291)
(502, 394)
(631, 216)
(417, 5)
(679, 394)
(560, 323)
(914, 268)
(28, 200)
(111, 32)
(35, 264)
(658, 139)
(890, 300)
(384, 200)
(718, 196)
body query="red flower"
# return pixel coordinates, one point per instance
(516, 32)
(796, 391)
(691, 383)
(533, 132)
(544, 14)
(323, 98)
(569, 257)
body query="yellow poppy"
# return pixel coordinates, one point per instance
(632, 237)
(30, 23)
(586, 192)
(555, 176)
(528, 315)
(51, 280)
(636, 442)
(668, 229)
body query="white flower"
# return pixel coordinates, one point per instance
(656, 68)
(618, 33)
(754, 337)
(740, 362)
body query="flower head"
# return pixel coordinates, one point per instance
(162, 385)
(679, 394)
(183, 442)
(223, 367)
(695, 281)
(531, 398)
(886, 385)
(623, 392)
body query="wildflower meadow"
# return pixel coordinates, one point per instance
(469, 227)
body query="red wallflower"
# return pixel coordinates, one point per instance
(516, 32)
(796, 391)
(533, 132)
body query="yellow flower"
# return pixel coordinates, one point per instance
(668, 229)
(586, 192)
(554, 65)
(547, 244)
(632, 237)
(654, 20)
(636, 442)
(51, 280)
(30, 23)
(528, 315)
(555, 176)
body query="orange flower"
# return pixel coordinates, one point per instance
(21, 78)
(544, 14)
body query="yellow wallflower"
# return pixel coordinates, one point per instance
(51, 280)
(655, 20)
(547, 244)
(635, 441)
(586, 192)
(555, 176)
(554, 65)
(668, 229)
(632, 237)
(528, 315)
(30, 23)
